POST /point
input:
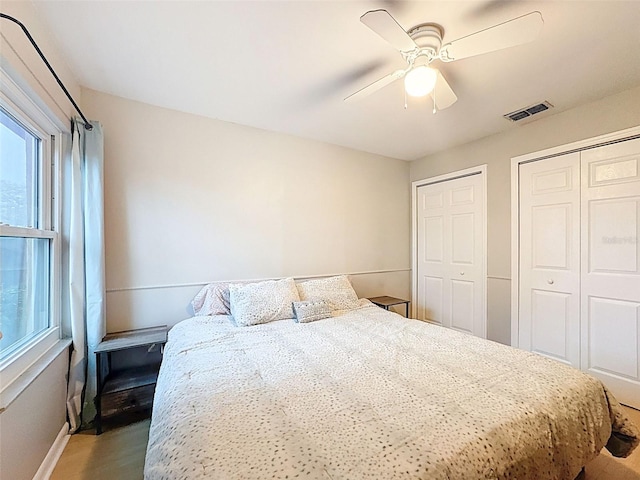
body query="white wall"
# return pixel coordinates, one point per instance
(30, 424)
(190, 200)
(609, 114)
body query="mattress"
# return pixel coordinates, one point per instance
(368, 394)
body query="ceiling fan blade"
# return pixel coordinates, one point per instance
(514, 32)
(381, 22)
(375, 86)
(442, 94)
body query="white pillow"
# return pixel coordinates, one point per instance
(337, 291)
(311, 310)
(255, 303)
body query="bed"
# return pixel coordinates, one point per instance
(368, 394)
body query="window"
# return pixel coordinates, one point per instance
(28, 236)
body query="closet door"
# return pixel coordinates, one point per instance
(450, 254)
(611, 267)
(549, 284)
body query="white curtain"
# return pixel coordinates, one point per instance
(83, 260)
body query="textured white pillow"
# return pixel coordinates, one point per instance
(311, 310)
(337, 291)
(255, 303)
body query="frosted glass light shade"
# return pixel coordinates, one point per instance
(420, 81)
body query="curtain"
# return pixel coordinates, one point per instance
(83, 260)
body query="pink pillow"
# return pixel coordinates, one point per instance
(212, 299)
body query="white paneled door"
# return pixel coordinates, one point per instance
(549, 307)
(450, 254)
(610, 278)
(579, 262)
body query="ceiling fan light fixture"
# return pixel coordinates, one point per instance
(420, 81)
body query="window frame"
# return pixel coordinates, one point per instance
(30, 111)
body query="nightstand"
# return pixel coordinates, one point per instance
(386, 302)
(128, 389)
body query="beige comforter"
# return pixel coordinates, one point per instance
(369, 394)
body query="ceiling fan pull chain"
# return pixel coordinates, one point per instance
(433, 96)
(405, 99)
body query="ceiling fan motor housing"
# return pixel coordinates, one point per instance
(428, 37)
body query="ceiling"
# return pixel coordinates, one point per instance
(287, 66)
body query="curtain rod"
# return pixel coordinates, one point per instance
(87, 125)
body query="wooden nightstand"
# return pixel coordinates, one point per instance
(126, 389)
(386, 302)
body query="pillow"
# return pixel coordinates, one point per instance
(213, 299)
(256, 303)
(311, 310)
(336, 291)
(210, 300)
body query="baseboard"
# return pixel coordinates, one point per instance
(50, 461)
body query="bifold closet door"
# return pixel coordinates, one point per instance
(611, 267)
(450, 254)
(549, 284)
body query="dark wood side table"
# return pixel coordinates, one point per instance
(386, 302)
(131, 388)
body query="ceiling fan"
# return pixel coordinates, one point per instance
(422, 45)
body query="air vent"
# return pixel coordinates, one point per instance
(528, 111)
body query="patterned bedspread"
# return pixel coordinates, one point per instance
(370, 395)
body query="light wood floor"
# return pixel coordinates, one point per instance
(116, 454)
(119, 454)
